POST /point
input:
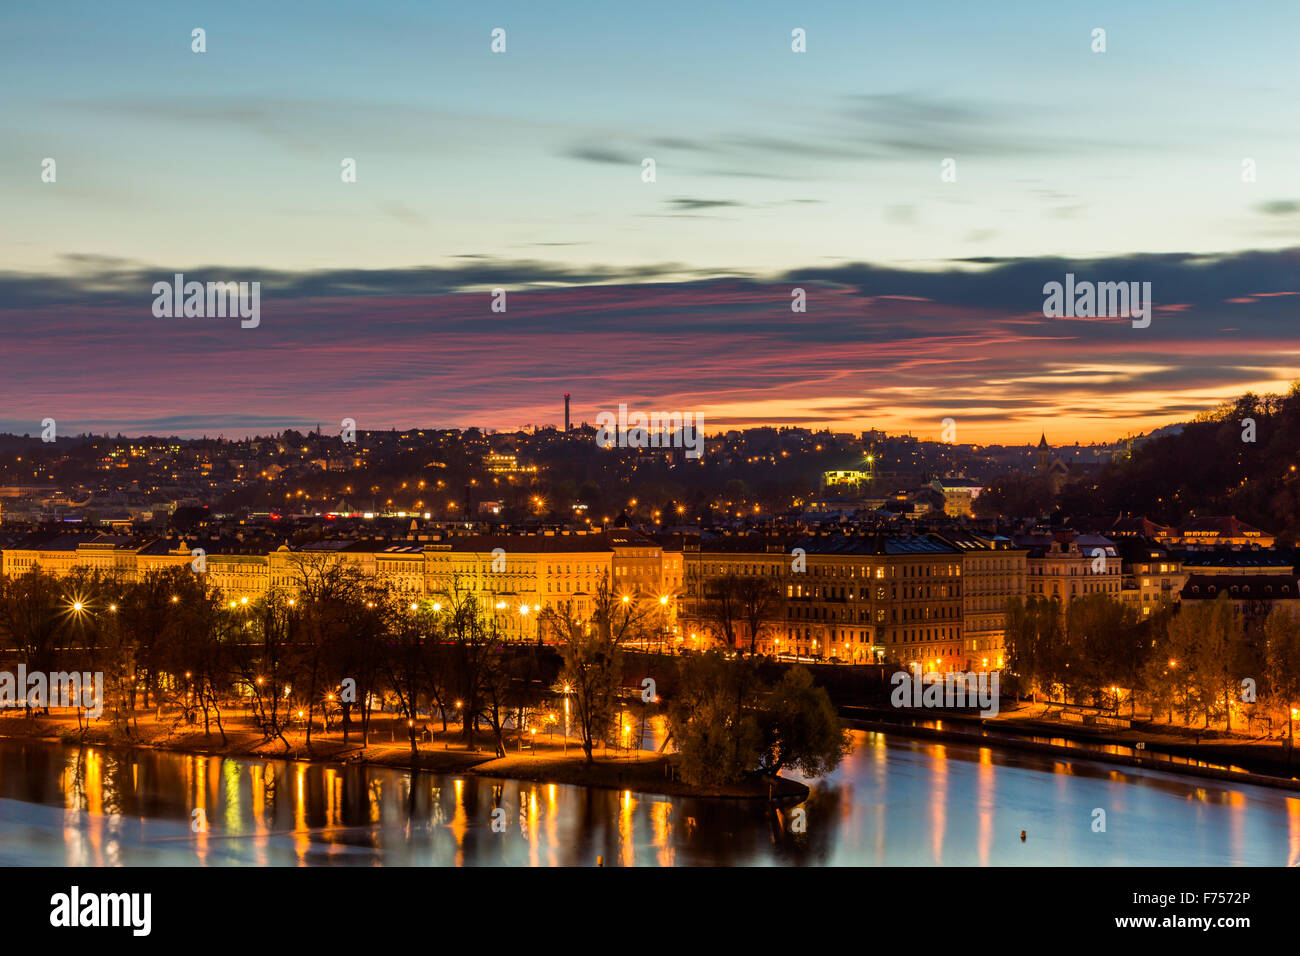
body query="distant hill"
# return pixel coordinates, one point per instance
(1241, 458)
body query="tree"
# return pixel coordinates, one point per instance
(332, 599)
(33, 618)
(473, 637)
(760, 605)
(801, 729)
(406, 663)
(1034, 640)
(263, 661)
(1217, 664)
(1282, 660)
(593, 666)
(148, 616)
(1186, 648)
(1100, 637)
(714, 719)
(720, 607)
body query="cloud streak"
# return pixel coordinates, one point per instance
(879, 346)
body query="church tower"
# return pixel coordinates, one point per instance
(1044, 454)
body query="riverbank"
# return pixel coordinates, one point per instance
(545, 758)
(1169, 749)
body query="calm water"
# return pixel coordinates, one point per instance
(894, 801)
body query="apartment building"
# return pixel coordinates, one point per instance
(1069, 566)
(1152, 576)
(1250, 594)
(855, 597)
(517, 576)
(513, 576)
(995, 571)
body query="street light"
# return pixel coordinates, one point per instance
(566, 718)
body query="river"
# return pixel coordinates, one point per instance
(893, 801)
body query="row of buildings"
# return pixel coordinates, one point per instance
(849, 595)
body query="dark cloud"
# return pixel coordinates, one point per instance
(1279, 207)
(602, 154)
(402, 347)
(104, 282)
(704, 203)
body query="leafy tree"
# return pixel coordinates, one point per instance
(801, 729)
(761, 606)
(1034, 642)
(33, 617)
(720, 607)
(593, 666)
(1281, 690)
(714, 719)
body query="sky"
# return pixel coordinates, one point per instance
(523, 170)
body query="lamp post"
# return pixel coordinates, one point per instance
(566, 718)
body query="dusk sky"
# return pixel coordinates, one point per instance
(523, 170)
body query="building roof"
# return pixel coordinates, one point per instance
(1258, 587)
(1221, 526)
(1240, 558)
(859, 544)
(599, 543)
(1139, 526)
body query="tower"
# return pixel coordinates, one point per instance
(1044, 454)
(566, 411)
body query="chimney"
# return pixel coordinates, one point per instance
(566, 412)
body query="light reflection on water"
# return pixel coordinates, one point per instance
(894, 801)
